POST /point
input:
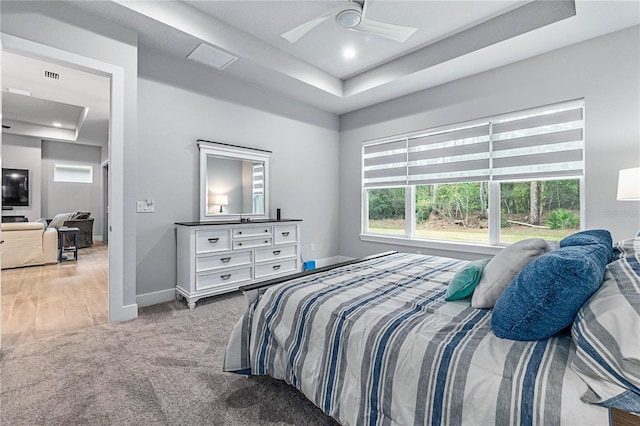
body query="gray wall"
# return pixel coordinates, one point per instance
(304, 169)
(604, 71)
(63, 26)
(64, 197)
(22, 152)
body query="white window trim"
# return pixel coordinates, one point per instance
(409, 239)
(84, 167)
(462, 247)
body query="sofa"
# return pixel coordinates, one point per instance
(77, 220)
(28, 244)
(85, 233)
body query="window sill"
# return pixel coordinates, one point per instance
(433, 244)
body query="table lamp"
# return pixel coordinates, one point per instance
(629, 185)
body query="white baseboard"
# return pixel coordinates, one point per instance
(331, 260)
(98, 238)
(156, 297)
(129, 312)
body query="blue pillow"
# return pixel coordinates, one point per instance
(546, 295)
(591, 236)
(465, 281)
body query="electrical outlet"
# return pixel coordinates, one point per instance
(145, 206)
(419, 251)
(312, 247)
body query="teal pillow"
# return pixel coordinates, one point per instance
(466, 280)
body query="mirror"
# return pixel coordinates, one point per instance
(233, 182)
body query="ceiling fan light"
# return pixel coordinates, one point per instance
(349, 18)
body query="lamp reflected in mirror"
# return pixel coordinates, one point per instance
(221, 200)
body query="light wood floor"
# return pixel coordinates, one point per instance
(45, 301)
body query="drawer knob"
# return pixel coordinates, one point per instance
(239, 244)
(239, 232)
(276, 252)
(266, 230)
(225, 259)
(276, 267)
(266, 241)
(213, 240)
(225, 277)
(284, 234)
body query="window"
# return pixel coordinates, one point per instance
(386, 211)
(491, 181)
(452, 211)
(76, 173)
(539, 209)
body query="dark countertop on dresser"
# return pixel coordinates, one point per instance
(235, 222)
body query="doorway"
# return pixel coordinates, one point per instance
(116, 309)
(55, 124)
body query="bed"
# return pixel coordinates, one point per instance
(374, 342)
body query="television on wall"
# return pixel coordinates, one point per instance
(15, 187)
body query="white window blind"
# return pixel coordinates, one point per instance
(547, 144)
(531, 145)
(459, 155)
(385, 163)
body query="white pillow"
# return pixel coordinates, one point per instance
(59, 219)
(504, 267)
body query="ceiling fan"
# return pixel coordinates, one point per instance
(352, 16)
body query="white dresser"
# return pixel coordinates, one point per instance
(215, 258)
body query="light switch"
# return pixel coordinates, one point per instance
(145, 206)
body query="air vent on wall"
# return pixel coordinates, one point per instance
(50, 74)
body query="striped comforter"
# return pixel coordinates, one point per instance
(375, 343)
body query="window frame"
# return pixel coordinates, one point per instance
(494, 195)
(87, 167)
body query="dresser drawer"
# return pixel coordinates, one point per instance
(212, 240)
(217, 261)
(252, 242)
(275, 253)
(222, 278)
(285, 234)
(265, 270)
(252, 232)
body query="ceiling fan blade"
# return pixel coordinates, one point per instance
(296, 33)
(391, 31)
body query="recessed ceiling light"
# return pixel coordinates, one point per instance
(56, 124)
(349, 53)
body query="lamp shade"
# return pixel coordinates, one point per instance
(221, 200)
(629, 184)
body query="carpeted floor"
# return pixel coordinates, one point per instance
(164, 368)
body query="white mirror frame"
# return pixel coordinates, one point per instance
(234, 152)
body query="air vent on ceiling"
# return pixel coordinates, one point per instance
(50, 74)
(211, 56)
